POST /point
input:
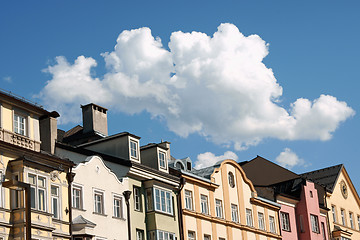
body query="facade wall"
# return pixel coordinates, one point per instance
(348, 205)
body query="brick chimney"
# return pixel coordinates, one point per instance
(94, 119)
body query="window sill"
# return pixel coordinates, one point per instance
(79, 209)
(100, 214)
(119, 218)
(160, 212)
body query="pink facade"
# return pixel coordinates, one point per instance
(311, 225)
(292, 233)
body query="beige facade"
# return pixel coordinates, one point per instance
(225, 206)
(344, 205)
(25, 169)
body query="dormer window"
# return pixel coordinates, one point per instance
(19, 124)
(133, 149)
(162, 159)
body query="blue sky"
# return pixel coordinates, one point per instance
(313, 49)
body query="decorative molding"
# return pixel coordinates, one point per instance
(19, 140)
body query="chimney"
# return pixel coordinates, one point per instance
(48, 132)
(94, 119)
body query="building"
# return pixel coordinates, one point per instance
(34, 196)
(220, 202)
(342, 200)
(303, 213)
(153, 210)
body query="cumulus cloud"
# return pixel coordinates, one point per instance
(289, 159)
(216, 86)
(209, 159)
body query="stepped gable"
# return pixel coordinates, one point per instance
(326, 177)
(263, 172)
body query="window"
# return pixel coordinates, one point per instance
(323, 231)
(261, 221)
(149, 201)
(343, 217)
(77, 197)
(285, 221)
(333, 211)
(249, 220)
(133, 149)
(207, 237)
(204, 204)
(19, 124)
(118, 203)
(188, 200)
(314, 223)
(272, 224)
(162, 235)
(38, 192)
(55, 202)
(137, 199)
(234, 213)
(191, 235)
(99, 202)
(163, 201)
(358, 219)
(351, 218)
(218, 208)
(231, 179)
(139, 234)
(311, 194)
(162, 159)
(345, 238)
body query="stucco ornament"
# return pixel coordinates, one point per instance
(343, 189)
(54, 175)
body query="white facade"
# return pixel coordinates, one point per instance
(99, 208)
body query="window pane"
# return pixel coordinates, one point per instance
(41, 199)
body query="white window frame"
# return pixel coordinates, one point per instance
(79, 189)
(37, 189)
(219, 208)
(140, 234)
(101, 193)
(118, 208)
(163, 200)
(57, 199)
(333, 210)
(351, 218)
(134, 153)
(314, 223)
(204, 204)
(137, 199)
(272, 224)
(358, 219)
(234, 213)
(161, 235)
(261, 221)
(191, 235)
(285, 221)
(249, 219)
(17, 124)
(162, 159)
(188, 200)
(343, 219)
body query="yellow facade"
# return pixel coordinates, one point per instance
(344, 204)
(22, 162)
(228, 205)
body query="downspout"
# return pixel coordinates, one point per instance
(127, 197)
(179, 203)
(70, 177)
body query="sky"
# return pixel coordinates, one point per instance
(217, 79)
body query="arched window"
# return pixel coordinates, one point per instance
(231, 179)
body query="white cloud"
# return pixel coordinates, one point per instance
(216, 86)
(289, 159)
(7, 79)
(209, 159)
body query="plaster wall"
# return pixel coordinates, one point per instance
(292, 234)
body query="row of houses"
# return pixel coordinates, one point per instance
(85, 184)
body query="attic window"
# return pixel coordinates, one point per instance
(188, 165)
(231, 179)
(179, 166)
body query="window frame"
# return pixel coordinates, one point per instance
(118, 210)
(79, 189)
(57, 198)
(137, 199)
(343, 217)
(314, 223)
(351, 219)
(234, 213)
(204, 204)
(285, 221)
(192, 237)
(134, 151)
(249, 218)
(97, 192)
(333, 211)
(188, 199)
(166, 198)
(35, 190)
(219, 208)
(261, 221)
(272, 225)
(162, 153)
(2, 178)
(231, 179)
(16, 127)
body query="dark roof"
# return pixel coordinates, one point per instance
(81, 220)
(326, 176)
(88, 152)
(150, 145)
(271, 173)
(103, 139)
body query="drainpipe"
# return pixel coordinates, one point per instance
(70, 177)
(179, 203)
(127, 197)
